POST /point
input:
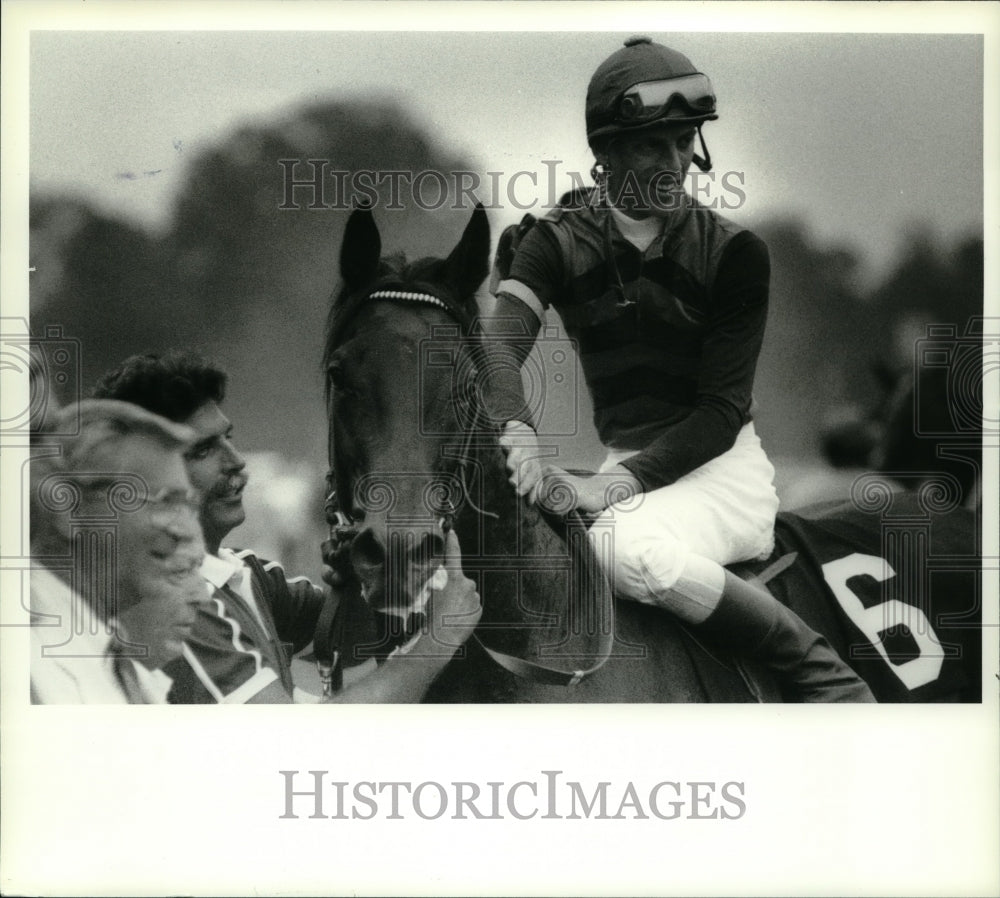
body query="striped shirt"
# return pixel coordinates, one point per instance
(240, 642)
(668, 338)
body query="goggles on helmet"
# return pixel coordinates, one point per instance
(692, 96)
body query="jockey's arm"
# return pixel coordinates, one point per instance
(509, 334)
(523, 283)
(508, 337)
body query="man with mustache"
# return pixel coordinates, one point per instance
(238, 651)
(117, 549)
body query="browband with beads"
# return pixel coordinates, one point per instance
(426, 298)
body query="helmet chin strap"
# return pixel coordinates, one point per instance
(600, 172)
(705, 164)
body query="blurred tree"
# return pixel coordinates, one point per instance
(239, 278)
(831, 348)
(260, 264)
(930, 284)
(104, 282)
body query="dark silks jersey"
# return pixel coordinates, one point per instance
(895, 587)
(668, 339)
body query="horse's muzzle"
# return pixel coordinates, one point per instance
(393, 564)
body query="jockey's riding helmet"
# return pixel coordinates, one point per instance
(645, 83)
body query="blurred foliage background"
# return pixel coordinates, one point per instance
(248, 285)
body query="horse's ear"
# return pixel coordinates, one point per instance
(361, 249)
(469, 262)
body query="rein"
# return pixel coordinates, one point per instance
(552, 676)
(343, 530)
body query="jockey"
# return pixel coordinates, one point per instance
(667, 302)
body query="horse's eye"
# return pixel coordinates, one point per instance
(336, 374)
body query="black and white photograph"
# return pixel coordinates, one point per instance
(596, 402)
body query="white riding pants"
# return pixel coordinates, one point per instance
(667, 547)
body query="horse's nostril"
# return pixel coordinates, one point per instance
(424, 547)
(434, 545)
(413, 547)
(367, 550)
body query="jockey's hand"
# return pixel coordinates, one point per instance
(455, 608)
(524, 465)
(560, 492)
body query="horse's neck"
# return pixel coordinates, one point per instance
(524, 563)
(498, 520)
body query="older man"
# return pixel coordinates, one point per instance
(252, 613)
(117, 548)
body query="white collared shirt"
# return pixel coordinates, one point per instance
(226, 569)
(72, 661)
(640, 232)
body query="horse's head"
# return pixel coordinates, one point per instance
(398, 365)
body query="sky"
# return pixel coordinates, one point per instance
(862, 136)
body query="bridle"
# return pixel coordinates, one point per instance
(340, 522)
(343, 528)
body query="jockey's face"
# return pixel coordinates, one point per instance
(216, 470)
(648, 168)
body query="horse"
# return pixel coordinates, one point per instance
(413, 451)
